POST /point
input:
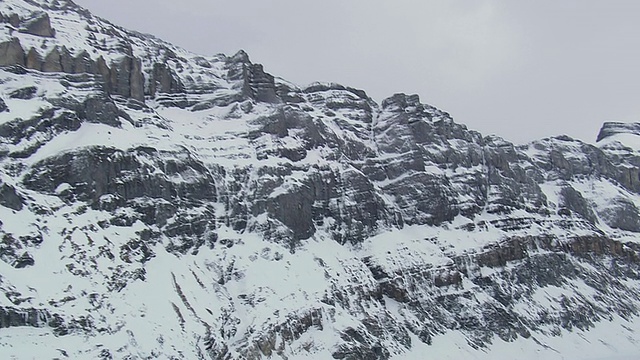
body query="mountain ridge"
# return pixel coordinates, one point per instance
(184, 206)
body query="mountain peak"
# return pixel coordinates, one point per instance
(609, 129)
(240, 56)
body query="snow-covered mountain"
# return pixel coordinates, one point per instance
(159, 204)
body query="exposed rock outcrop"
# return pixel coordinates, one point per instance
(612, 128)
(9, 198)
(163, 80)
(124, 78)
(11, 317)
(122, 174)
(11, 53)
(39, 24)
(256, 83)
(573, 201)
(34, 60)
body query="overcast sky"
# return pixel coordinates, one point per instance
(519, 69)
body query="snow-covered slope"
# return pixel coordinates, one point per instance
(159, 204)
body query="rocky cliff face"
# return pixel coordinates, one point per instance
(155, 203)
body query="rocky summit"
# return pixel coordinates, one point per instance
(159, 204)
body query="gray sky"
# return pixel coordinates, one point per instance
(517, 68)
